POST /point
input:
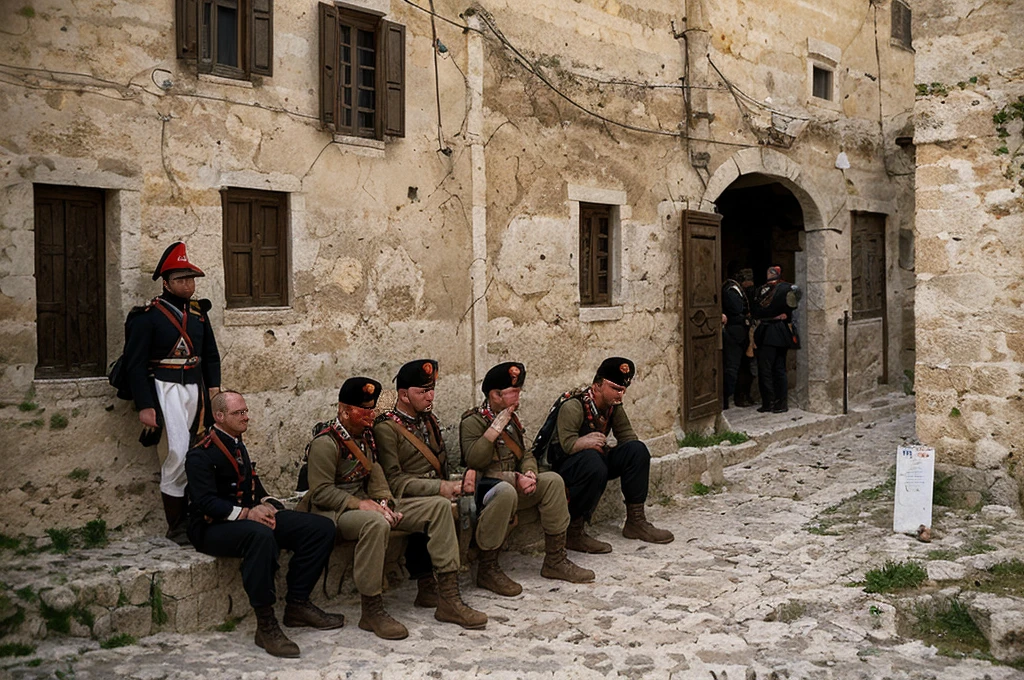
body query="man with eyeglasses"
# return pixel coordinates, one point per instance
(494, 443)
(414, 459)
(173, 368)
(232, 515)
(347, 485)
(582, 455)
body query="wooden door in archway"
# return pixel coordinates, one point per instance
(702, 312)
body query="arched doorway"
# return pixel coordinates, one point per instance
(769, 214)
(763, 225)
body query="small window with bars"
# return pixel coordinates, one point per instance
(595, 254)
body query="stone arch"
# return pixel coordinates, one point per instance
(813, 388)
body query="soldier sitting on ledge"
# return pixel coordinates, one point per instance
(231, 515)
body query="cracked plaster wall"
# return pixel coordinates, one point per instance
(970, 217)
(379, 273)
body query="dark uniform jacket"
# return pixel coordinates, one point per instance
(154, 338)
(769, 303)
(216, 490)
(408, 471)
(496, 460)
(573, 423)
(737, 312)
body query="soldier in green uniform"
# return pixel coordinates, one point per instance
(494, 443)
(584, 457)
(347, 485)
(415, 463)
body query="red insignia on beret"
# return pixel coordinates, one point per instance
(428, 368)
(369, 388)
(513, 373)
(624, 369)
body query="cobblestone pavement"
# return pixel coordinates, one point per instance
(745, 591)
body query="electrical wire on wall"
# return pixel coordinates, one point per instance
(435, 47)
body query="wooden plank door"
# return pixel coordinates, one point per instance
(702, 315)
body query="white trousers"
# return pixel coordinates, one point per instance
(179, 405)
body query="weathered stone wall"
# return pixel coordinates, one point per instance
(970, 217)
(399, 250)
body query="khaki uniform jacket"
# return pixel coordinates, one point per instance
(407, 471)
(494, 460)
(571, 424)
(328, 495)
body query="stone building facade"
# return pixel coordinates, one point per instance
(970, 218)
(512, 183)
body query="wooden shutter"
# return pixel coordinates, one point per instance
(702, 313)
(186, 31)
(238, 249)
(901, 19)
(207, 27)
(329, 104)
(867, 262)
(261, 37)
(255, 248)
(70, 276)
(394, 78)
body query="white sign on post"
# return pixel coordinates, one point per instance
(915, 472)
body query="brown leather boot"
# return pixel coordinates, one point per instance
(451, 608)
(177, 518)
(638, 527)
(490, 576)
(426, 592)
(558, 565)
(375, 618)
(270, 637)
(576, 539)
(302, 614)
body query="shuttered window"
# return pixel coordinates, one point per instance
(362, 73)
(71, 329)
(229, 38)
(867, 259)
(255, 248)
(595, 257)
(901, 18)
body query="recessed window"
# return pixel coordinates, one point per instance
(822, 83)
(228, 38)
(596, 227)
(362, 73)
(255, 248)
(70, 282)
(901, 19)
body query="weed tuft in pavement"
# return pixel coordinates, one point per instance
(894, 576)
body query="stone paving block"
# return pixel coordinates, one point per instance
(135, 621)
(212, 609)
(1001, 620)
(175, 582)
(99, 590)
(135, 586)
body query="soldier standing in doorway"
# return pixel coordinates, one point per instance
(776, 334)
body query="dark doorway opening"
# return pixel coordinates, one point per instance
(762, 225)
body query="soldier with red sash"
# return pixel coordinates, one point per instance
(232, 515)
(414, 459)
(347, 485)
(494, 443)
(172, 367)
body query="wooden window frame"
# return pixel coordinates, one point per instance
(337, 74)
(901, 31)
(261, 254)
(85, 327)
(196, 36)
(829, 84)
(863, 279)
(596, 263)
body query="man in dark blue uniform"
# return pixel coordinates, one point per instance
(232, 515)
(774, 336)
(172, 364)
(735, 332)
